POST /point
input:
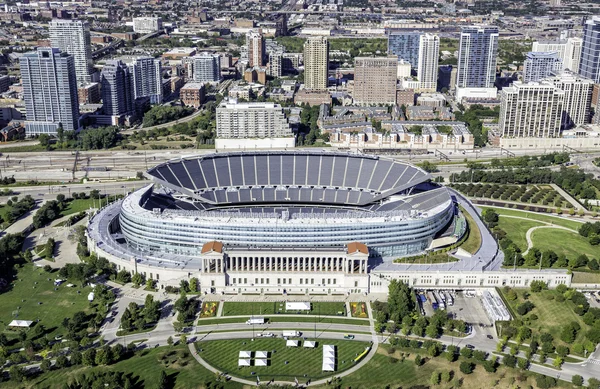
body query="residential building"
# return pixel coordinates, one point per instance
(193, 94)
(405, 45)
(50, 91)
(73, 37)
(207, 68)
(316, 63)
(404, 69)
(147, 79)
(89, 93)
(531, 110)
(4, 83)
(478, 50)
(291, 62)
(375, 80)
(312, 97)
(578, 97)
(405, 97)
(251, 120)
(568, 50)
(275, 64)
(446, 78)
(147, 25)
(589, 67)
(539, 65)
(117, 89)
(427, 70)
(255, 43)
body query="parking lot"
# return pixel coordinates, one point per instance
(593, 298)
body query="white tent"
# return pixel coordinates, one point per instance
(261, 354)
(328, 366)
(292, 343)
(328, 354)
(310, 344)
(245, 354)
(91, 296)
(20, 323)
(328, 347)
(297, 306)
(243, 362)
(328, 357)
(329, 361)
(260, 362)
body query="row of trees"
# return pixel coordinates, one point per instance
(18, 208)
(160, 114)
(137, 317)
(591, 231)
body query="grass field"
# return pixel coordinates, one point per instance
(539, 216)
(580, 277)
(552, 315)
(473, 242)
(563, 242)
(183, 371)
(287, 319)
(303, 363)
(516, 229)
(55, 305)
(270, 308)
(79, 205)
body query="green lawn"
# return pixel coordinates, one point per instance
(271, 308)
(538, 216)
(288, 319)
(580, 277)
(55, 305)
(79, 205)
(176, 361)
(223, 355)
(552, 315)
(563, 242)
(473, 242)
(516, 229)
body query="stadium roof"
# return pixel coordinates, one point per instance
(287, 177)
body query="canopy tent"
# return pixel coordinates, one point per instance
(261, 354)
(297, 306)
(328, 357)
(328, 354)
(328, 366)
(292, 343)
(310, 344)
(243, 362)
(260, 362)
(328, 347)
(20, 323)
(329, 361)
(245, 354)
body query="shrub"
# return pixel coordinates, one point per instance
(466, 367)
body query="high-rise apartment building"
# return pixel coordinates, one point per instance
(478, 49)
(147, 24)
(531, 110)
(539, 65)
(117, 89)
(568, 50)
(578, 97)
(275, 64)
(207, 68)
(73, 37)
(50, 91)
(405, 45)
(427, 72)
(251, 120)
(375, 80)
(255, 43)
(589, 66)
(316, 63)
(147, 79)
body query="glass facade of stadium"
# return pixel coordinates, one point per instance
(185, 235)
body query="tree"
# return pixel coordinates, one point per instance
(490, 366)
(76, 358)
(577, 380)
(419, 361)
(435, 378)
(62, 361)
(510, 361)
(490, 216)
(170, 340)
(184, 286)
(522, 363)
(162, 380)
(194, 284)
(451, 353)
(466, 367)
(46, 365)
(17, 373)
(466, 352)
(538, 285)
(44, 140)
(89, 357)
(137, 279)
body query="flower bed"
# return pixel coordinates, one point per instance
(209, 309)
(359, 310)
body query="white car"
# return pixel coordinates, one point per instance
(266, 335)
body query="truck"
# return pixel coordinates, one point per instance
(256, 320)
(441, 299)
(290, 334)
(432, 300)
(449, 299)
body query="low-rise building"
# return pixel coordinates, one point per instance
(193, 94)
(89, 93)
(312, 97)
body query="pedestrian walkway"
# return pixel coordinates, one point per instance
(348, 311)
(220, 309)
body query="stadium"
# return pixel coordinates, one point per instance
(277, 220)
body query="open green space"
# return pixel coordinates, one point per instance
(288, 319)
(563, 242)
(278, 307)
(559, 221)
(580, 277)
(284, 363)
(33, 297)
(473, 241)
(182, 369)
(543, 195)
(552, 314)
(79, 205)
(516, 229)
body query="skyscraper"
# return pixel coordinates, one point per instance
(207, 68)
(117, 89)
(256, 48)
(375, 80)
(540, 65)
(147, 79)
(589, 67)
(477, 54)
(316, 63)
(569, 51)
(427, 73)
(73, 37)
(531, 110)
(405, 45)
(50, 91)
(578, 97)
